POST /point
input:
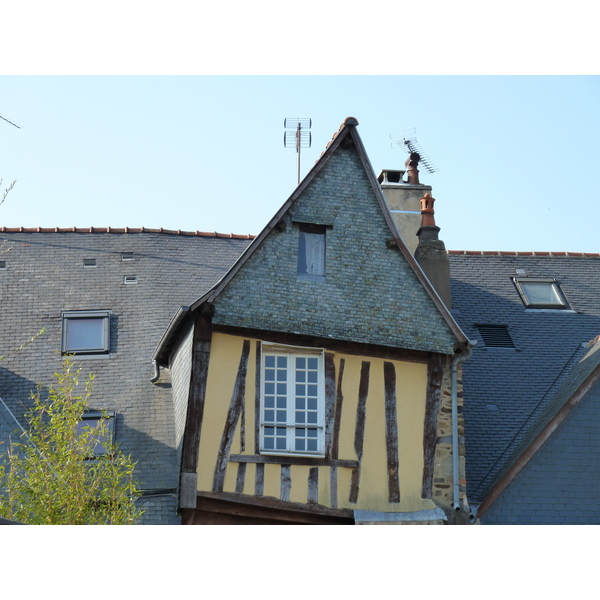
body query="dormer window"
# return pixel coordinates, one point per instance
(540, 292)
(311, 252)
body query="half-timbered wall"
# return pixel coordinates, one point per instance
(375, 418)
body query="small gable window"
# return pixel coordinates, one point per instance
(86, 332)
(292, 401)
(539, 292)
(311, 252)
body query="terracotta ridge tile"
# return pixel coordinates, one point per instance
(131, 230)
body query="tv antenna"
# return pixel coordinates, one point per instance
(412, 147)
(297, 135)
(1, 117)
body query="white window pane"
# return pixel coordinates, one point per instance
(292, 403)
(85, 334)
(541, 293)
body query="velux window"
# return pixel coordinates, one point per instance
(292, 401)
(91, 420)
(86, 332)
(311, 252)
(540, 292)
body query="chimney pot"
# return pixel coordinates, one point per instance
(427, 212)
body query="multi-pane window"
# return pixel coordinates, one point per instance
(86, 332)
(292, 410)
(539, 292)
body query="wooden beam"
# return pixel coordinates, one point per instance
(339, 401)
(391, 431)
(333, 487)
(197, 393)
(312, 461)
(241, 478)
(230, 508)
(257, 394)
(435, 374)
(340, 346)
(329, 400)
(259, 480)
(233, 414)
(286, 483)
(359, 431)
(313, 485)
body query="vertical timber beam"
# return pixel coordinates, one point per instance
(359, 432)
(391, 431)
(435, 374)
(329, 401)
(233, 415)
(195, 408)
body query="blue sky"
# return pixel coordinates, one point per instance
(517, 155)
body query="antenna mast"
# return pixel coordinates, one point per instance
(412, 147)
(297, 135)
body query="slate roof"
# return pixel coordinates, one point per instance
(363, 299)
(510, 394)
(43, 274)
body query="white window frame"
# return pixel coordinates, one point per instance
(561, 302)
(291, 425)
(69, 316)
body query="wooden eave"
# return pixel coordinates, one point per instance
(262, 508)
(539, 441)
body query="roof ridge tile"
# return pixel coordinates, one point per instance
(518, 253)
(38, 229)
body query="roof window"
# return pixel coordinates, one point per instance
(86, 332)
(89, 262)
(127, 256)
(495, 336)
(540, 292)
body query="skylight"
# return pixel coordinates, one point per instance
(540, 292)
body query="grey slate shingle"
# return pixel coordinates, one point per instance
(524, 384)
(44, 275)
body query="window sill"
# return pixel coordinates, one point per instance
(287, 459)
(551, 310)
(86, 356)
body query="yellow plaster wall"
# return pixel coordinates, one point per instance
(411, 384)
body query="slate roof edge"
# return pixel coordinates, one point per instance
(348, 127)
(207, 234)
(539, 440)
(463, 341)
(161, 351)
(533, 254)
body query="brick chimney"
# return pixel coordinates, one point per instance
(403, 199)
(431, 251)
